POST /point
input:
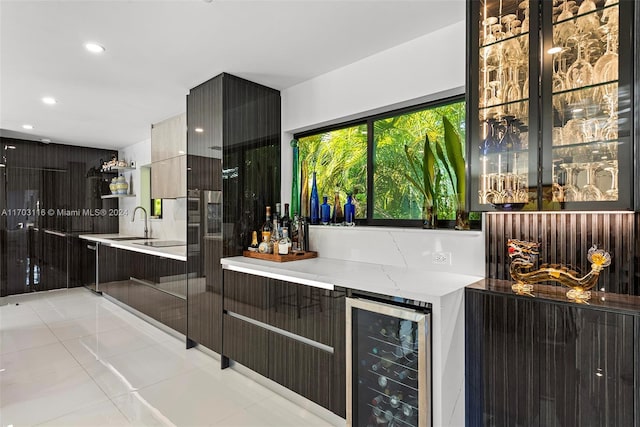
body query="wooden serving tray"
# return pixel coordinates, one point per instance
(297, 256)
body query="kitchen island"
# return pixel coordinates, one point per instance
(253, 288)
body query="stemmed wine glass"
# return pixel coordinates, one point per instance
(612, 193)
(580, 73)
(487, 25)
(570, 190)
(606, 67)
(589, 23)
(524, 5)
(567, 27)
(590, 192)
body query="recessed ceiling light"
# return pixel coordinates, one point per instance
(554, 50)
(45, 140)
(10, 147)
(199, 130)
(28, 127)
(49, 100)
(94, 47)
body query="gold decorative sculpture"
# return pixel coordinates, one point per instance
(523, 255)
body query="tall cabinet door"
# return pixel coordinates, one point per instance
(503, 104)
(587, 93)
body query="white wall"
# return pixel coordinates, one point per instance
(173, 224)
(427, 68)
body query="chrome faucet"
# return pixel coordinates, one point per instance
(146, 230)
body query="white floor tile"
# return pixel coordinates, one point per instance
(97, 415)
(21, 338)
(137, 369)
(32, 401)
(35, 362)
(72, 358)
(88, 325)
(193, 399)
(275, 411)
(103, 344)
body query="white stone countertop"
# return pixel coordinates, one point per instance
(173, 252)
(327, 273)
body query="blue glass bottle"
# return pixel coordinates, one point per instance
(349, 211)
(325, 211)
(315, 202)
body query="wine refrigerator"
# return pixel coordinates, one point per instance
(388, 364)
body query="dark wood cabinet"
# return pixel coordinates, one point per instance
(301, 367)
(153, 285)
(535, 362)
(291, 333)
(236, 122)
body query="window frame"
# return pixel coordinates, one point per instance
(368, 121)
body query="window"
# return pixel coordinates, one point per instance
(394, 197)
(368, 158)
(339, 158)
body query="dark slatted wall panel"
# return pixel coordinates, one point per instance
(565, 239)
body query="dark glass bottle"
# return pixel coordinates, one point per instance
(325, 211)
(286, 219)
(278, 218)
(349, 211)
(337, 217)
(267, 227)
(314, 202)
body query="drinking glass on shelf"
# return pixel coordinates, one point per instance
(487, 26)
(580, 73)
(588, 23)
(567, 27)
(524, 5)
(612, 193)
(557, 136)
(606, 67)
(572, 131)
(570, 191)
(590, 192)
(511, 91)
(610, 14)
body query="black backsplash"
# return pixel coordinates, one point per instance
(565, 239)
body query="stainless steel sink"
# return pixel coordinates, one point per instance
(117, 239)
(163, 243)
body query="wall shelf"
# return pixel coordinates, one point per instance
(117, 168)
(115, 196)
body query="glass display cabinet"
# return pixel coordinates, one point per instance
(550, 108)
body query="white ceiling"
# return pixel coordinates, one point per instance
(157, 50)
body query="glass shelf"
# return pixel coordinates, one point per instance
(504, 40)
(503, 104)
(591, 12)
(587, 87)
(586, 144)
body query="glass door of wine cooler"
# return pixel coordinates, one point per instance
(388, 365)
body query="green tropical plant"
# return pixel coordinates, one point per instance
(423, 173)
(456, 166)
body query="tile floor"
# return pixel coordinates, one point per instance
(73, 358)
